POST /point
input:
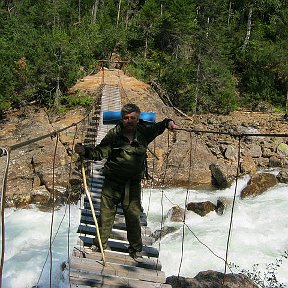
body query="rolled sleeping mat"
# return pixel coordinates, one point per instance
(112, 117)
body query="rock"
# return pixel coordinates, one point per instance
(211, 279)
(21, 201)
(255, 150)
(258, 184)
(247, 130)
(219, 175)
(282, 176)
(222, 204)
(262, 162)
(275, 161)
(160, 233)
(247, 165)
(201, 208)
(31, 166)
(231, 153)
(263, 106)
(176, 214)
(267, 152)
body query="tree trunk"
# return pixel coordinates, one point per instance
(79, 11)
(286, 108)
(207, 30)
(229, 13)
(58, 94)
(248, 32)
(146, 47)
(94, 11)
(197, 87)
(118, 15)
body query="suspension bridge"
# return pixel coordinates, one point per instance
(116, 269)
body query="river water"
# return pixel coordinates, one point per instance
(259, 236)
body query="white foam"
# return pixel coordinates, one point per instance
(259, 231)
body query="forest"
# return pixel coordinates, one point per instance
(207, 55)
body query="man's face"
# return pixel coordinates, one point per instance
(130, 121)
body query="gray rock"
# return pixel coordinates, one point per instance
(255, 151)
(176, 214)
(220, 176)
(275, 161)
(282, 176)
(160, 233)
(211, 279)
(201, 208)
(231, 153)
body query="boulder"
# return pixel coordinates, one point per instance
(258, 184)
(222, 204)
(220, 176)
(282, 176)
(255, 150)
(231, 153)
(176, 214)
(275, 161)
(247, 165)
(212, 279)
(201, 208)
(262, 162)
(160, 233)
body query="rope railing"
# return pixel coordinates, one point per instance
(232, 134)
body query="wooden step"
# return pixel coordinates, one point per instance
(96, 268)
(118, 257)
(120, 246)
(83, 280)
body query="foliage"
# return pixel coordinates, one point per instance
(210, 56)
(266, 279)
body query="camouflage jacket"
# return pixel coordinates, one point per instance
(126, 160)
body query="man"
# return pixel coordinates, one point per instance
(125, 148)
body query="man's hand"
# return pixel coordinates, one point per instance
(79, 149)
(171, 125)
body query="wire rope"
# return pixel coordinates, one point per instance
(6, 152)
(233, 206)
(53, 210)
(186, 199)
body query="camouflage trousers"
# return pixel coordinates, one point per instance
(129, 195)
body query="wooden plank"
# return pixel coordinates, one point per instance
(95, 194)
(117, 257)
(114, 269)
(94, 199)
(95, 184)
(85, 279)
(119, 245)
(117, 225)
(96, 190)
(115, 234)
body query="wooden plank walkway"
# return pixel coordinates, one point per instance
(86, 267)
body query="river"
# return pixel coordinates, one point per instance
(259, 236)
